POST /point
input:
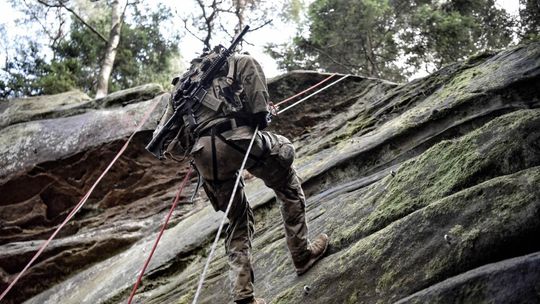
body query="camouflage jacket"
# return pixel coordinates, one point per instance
(245, 78)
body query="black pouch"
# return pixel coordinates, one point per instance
(180, 146)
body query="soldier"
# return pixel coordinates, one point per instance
(236, 102)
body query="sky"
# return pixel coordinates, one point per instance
(278, 32)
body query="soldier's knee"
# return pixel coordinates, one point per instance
(275, 166)
(284, 152)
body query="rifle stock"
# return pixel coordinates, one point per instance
(155, 146)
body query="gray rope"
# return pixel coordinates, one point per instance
(314, 93)
(214, 245)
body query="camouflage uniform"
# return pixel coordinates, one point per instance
(218, 158)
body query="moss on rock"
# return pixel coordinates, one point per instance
(499, 148)
(461, 204)
(500, 218)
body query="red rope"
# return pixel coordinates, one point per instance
(306, 90)
(87, 195)
(147, 262)
(80, 204)
(177, 198)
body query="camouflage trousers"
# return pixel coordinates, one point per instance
(271, 160)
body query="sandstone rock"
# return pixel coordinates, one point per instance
(488, 283)
(41, 107)
(27, 144)
(129, 96)
(487, 221)
(416, 184)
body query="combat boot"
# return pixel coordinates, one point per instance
(317, 248)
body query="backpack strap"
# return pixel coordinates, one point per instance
(214, 155)
(232, 70)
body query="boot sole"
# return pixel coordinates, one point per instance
(312, 262)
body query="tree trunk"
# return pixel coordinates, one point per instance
(240, 6)
(117, 17)
(370, 54)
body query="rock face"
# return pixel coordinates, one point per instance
(428, 190)
(34, 108)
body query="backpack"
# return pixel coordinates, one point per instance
(231, 92)
(231, 102)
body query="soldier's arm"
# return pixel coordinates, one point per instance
(251, 76)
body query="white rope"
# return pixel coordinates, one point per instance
(313, 94)
(214, 245)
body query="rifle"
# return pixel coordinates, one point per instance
(189, 94)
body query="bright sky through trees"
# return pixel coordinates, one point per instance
(279, 32)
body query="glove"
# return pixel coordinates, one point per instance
(262, 119)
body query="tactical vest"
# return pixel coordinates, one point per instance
(224, 95)
(224, 100)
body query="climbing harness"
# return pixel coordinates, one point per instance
(176, 199)
(199, 181)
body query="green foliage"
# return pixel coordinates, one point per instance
(394, 39)
(144, 55)
(292, 10)
(57, 77)
(292, 56)
(353, 37)
(77, 58)
(530, 19)
(21, 72)
(443, 34)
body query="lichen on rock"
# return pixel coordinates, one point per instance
(427, 189)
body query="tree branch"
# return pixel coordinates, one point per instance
(378, 44)
(125, 8)
(331, 58)
(62, 5)
(208, 19)
(6, 51)
(59, 34)
(225, 31)
(267, 22)
(190, 32)
(35, 17)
